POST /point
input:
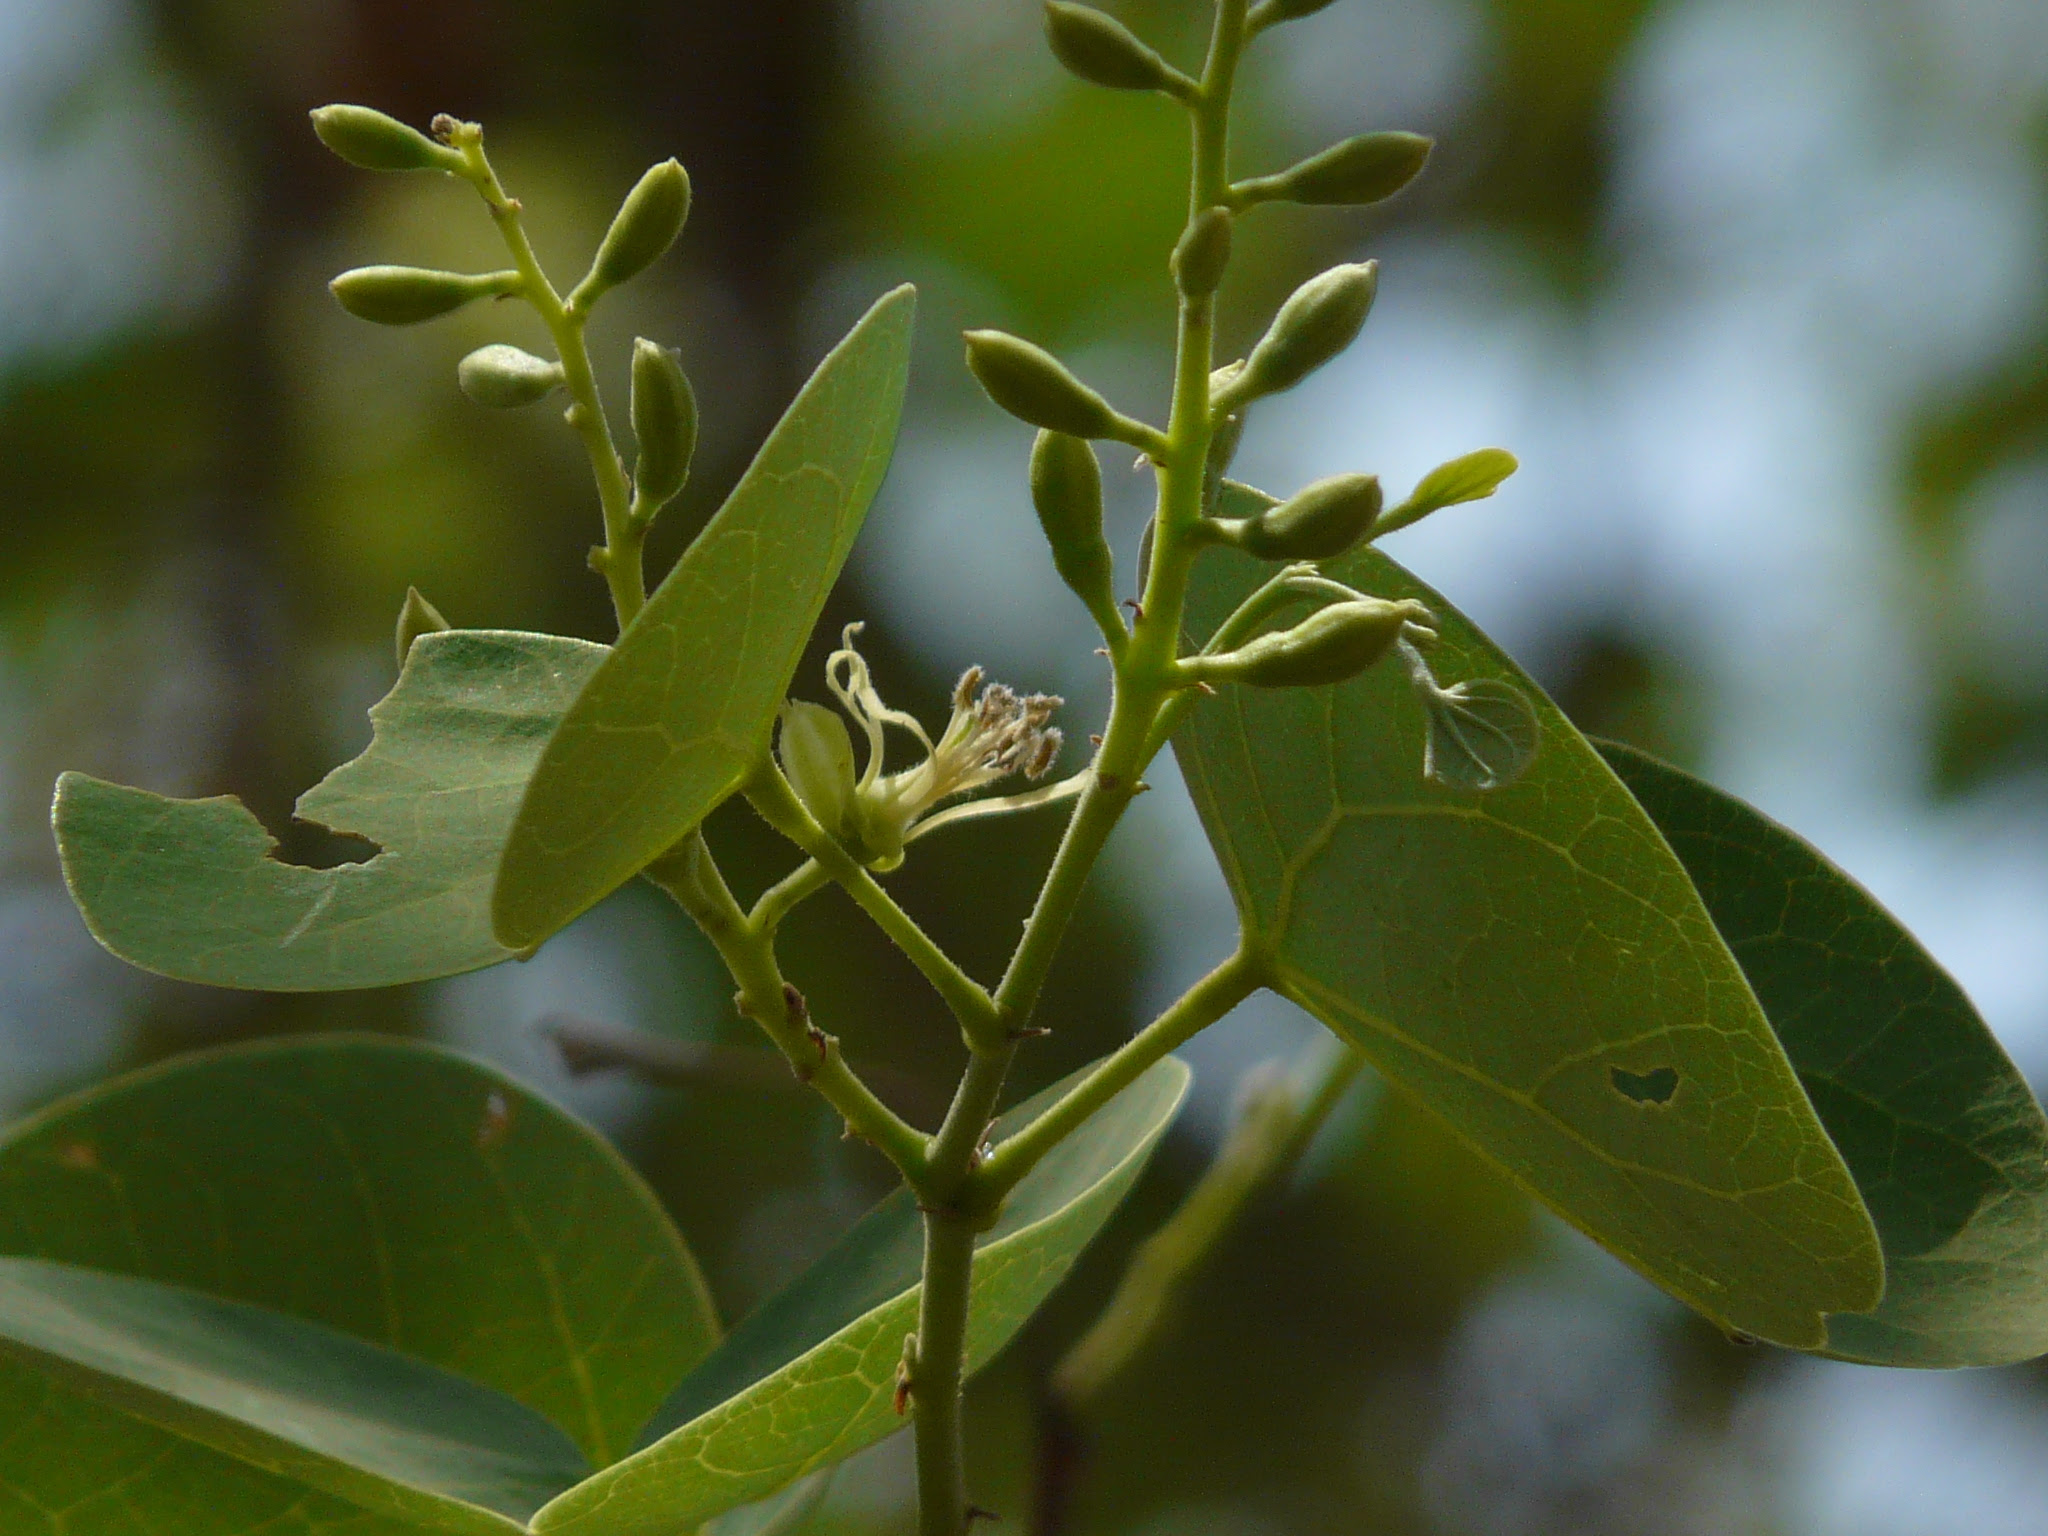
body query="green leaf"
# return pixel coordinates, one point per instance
(386, 1190)
(379, 1428)
(1501, 954)
(1940, 1130)
(808, 1379)
(1470, 477)
(188, 888)
(779, 1515)
(680, 713)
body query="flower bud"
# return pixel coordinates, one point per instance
(1066, 488)
(1033, 385)
(816, 751)
(374, 142)
(1102, 51)
(1203, 253)
(418, 617)
(408, 295)
(664, 411)
(1471, 477)
(1319, 522)
(1329, 646)
(1319, 320)
(506, 377)
(646, 225)
(1271, 11)
(1364, 169)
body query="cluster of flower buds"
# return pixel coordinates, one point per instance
(993, 734)
(499, 375)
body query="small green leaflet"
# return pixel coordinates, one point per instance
(382, 1429)
(681, 712)
(384, 1190)
(188, 888)
(1944, 1138)
(1502, 955)
(807, 1380)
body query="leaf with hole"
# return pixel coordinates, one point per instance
(1482, 735)
(411, 1224)
(191, 888)
(809, 1378)
(680, 712)
(1499, 954)
(1940, 1130)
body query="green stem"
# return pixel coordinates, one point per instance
(772, 797)
(1194, 1011)
(965, 1191)
(620, 561)
(936, 1369)
(1275, 1124)
(690, 876)
(783, 897)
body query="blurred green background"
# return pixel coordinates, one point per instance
(1753, 287)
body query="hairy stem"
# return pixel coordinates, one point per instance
(1194, 1011)
(748, 950)
(620, 561)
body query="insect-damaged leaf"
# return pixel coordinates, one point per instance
(809, 1378)
(391, 1192)
(188, 888)
(1505, 954)
(681, 711)
(1940, 1130)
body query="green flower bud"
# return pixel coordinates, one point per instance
(1066, 488)
(1320, 319)
(664, 410)
(418, 617)
(1033, 385)
(646, 225)
(408, 295)
(374, 142)
(1366, 169)
(1319, 522)
(1471, 477)
(1203, 253)
(816, 752)
(1329, 646)
(505, 377)
(1102, 51)
(1270, 12)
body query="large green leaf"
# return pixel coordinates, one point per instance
(112, 1475)
(380, 1429)
(388, 1191)
(1940, 1130)
(675, 719)
(1534, 964)
(808, 1379)
(188, 888)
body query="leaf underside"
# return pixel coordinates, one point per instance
(1943, 1136)
(188, 888)
(392, 1193)
(808, 1379)
(1503, 955)
(379, 1428)
(681, 711)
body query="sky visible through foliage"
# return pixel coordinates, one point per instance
(1752, 288)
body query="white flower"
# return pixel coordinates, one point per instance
(992, 734)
